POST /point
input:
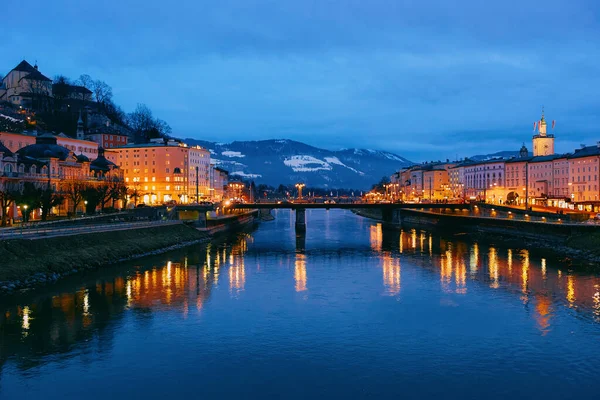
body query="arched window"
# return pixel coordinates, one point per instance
(33, 169)
(44, 170)
(22, 168)
(8, 168)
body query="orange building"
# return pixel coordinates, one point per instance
(16, 141)
(164, 172)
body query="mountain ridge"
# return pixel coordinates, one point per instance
(285, 161)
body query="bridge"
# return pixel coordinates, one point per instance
(391, 212)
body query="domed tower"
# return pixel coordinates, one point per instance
(523, 152)
(543, 144)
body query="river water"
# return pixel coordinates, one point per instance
(348, 311)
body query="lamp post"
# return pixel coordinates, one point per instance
(526, 186)
(299, 186)
(197, 199)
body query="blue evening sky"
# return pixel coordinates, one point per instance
(426, 79)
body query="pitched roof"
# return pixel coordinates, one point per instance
(36, 76)
(24, 66)
(586, 152)
(72, 88)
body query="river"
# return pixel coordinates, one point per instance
(348, 311)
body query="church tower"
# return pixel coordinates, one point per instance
(543, 143)
(523, 153)
(79, 127)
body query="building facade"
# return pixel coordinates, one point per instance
(109, 141)
(26, 86)
(199, 174)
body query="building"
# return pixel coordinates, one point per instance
(199, 174)
(219, 179)
(45, 163)
(155, 171)
(109, 141)
(424, 181)
(165, 171)
(543, 143)
(583, 186)
(26, 86)
(16, 141)
(485, 180)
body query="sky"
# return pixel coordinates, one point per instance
(426, 79)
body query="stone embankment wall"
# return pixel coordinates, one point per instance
(581, 241)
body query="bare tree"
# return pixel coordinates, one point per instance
(141, 120)
(102, 92)
(135, 192)
(49, 198)
(162, 127)
(9, 193)
(38, 88)
(117, 189)
(73, 190)
(86, 81)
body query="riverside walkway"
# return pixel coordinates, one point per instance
(33, 232)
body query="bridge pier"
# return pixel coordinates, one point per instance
(300, 242)
(300, 220)
(392, 217)
(201, 222)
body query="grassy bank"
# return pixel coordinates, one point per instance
(42, 259)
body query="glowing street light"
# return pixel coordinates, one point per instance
(299, 186)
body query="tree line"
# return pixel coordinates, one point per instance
(31, 196)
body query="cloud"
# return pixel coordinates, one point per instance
(418, 77)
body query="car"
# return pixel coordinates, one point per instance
(140, 205)
(597, 217)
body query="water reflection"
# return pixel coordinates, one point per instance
(391, 273)
(300, 272)
(36, 325)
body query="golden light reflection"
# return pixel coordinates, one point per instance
(391, 273)
(461, 277)
(543, 312)
(525, 273)
(401, 244)
(474, 259)
(413, 238)
(430, 245)
(509, 260)
(493, 268)
(26, 316)
(446, 270)
(571, 290)
(544, 268)
(237, 275)
(596, 303)
(375, 237)
(300, 272)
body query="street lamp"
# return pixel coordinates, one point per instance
(299, 186)
(25, 214)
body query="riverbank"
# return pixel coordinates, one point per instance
(26, 263)
(578, 244)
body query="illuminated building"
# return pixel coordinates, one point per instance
(543, 143)
(164, 171)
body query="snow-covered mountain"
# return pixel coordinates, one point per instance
(500, 154)
(286, 161)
